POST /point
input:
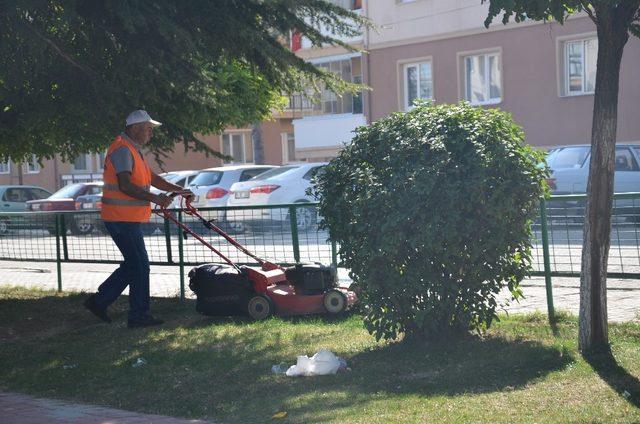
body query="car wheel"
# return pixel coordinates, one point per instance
(305, 217)
(4, 226)
(260, 307)
(81, 228)
(334, 301)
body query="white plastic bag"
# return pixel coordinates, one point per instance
(322, 363)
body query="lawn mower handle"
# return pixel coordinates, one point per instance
(189, 209)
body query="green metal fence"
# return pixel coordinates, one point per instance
(289, 234)
(565, 216)
(285, 234)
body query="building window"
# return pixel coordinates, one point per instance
(580, 58)
(5, 167)
(82, 163)
(239, 146)
(418, 83)
(329, 102)
(482, 79)
(348, 4)
(32, 166)
(288, 148)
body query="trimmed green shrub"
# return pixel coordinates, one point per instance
(432, 210)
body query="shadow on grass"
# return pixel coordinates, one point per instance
(471, 365)
(219, 368)
(615, 376)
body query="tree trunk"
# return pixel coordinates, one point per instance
(612, 36)
(258, 146)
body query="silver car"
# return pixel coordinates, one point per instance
(570, 172)
(570, 168)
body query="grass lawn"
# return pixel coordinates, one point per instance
(220, 369)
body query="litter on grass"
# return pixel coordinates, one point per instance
(324, 362)
(139, 362)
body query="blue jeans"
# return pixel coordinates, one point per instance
(133, 272)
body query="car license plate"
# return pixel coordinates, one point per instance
(242, 194)
(35, 207)
(87, 206)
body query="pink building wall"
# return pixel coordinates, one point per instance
(530, 80)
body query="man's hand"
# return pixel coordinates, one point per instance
(162, 200)
(187, 194)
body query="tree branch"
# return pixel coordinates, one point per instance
(587, 8)
(58, 50)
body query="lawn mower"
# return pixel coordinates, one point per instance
(227, 289)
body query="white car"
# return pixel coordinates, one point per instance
(212, 185)
(181, 178)
(284, 185)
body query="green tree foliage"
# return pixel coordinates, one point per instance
(432, 211)
(72, 69)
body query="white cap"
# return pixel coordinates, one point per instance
(138, 116)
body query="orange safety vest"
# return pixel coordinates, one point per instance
(117, 206)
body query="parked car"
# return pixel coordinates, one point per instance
(89, 222)
(211, 187)
(86, 223)
(181, 178)
(14, 198)
(63, 200)
(570, 172)
(284, 185)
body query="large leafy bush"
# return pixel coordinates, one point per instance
(432, 211)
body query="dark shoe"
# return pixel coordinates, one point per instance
(147, 321)
(96, 310)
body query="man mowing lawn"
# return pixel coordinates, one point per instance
(125, 207)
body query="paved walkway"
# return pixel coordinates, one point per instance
(23, 409)
(623, 295)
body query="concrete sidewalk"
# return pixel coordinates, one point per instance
(23, 409)
(623, 295)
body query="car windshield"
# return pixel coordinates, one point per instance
(568, 157)
(273, 172)
(69, 191)
(207, 178)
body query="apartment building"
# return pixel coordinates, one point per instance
(322, 126)
(542, 73)
(437, 50)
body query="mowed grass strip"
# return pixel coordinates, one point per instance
(220, 369)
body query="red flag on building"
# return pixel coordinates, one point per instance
(296, 40)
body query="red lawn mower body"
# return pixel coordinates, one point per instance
(283, 293)
(273, 289)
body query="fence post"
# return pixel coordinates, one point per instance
(181, 257)
(58, 259)
(293, 220)
(167, 239)
(334, 254)
(547, 263)
(63, 232)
